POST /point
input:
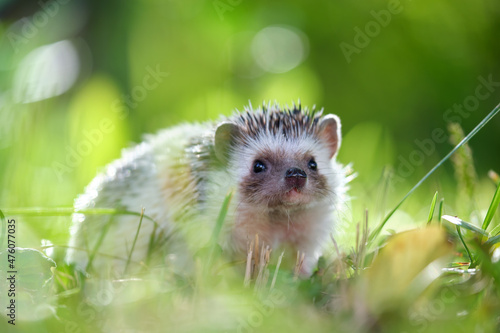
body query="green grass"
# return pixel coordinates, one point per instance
(433, 207)
(443, 276)
(459, 145)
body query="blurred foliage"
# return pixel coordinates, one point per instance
(80, 80)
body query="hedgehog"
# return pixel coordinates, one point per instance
(279, 163)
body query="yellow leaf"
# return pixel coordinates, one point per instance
(405, 267)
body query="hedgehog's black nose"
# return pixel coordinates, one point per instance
(295, 177)
(295, 172)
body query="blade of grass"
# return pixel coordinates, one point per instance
(59, 211)
(464, 224)
(248, 268)
(218, 227)
(465, 246)
(440, 212)
(133, 243)
(492, 240)
(68, 211)
(469, 136)
(433, 206)
(495, 231)
(492, 209)
(221, 218)
(152, 243)
(99, 242)
(276, 271)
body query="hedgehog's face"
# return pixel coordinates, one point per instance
(285, 176)
(278, 163)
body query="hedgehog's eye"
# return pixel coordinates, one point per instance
(312, 164)
(258, 166)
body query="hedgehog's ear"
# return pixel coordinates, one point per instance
(329, 133)
(224, 137)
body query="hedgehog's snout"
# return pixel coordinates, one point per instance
(295, 178)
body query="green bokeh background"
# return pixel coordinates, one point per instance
(393, 90)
